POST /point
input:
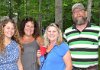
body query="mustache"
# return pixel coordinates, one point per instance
(80, 21)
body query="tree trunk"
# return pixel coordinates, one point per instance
(58, 13)
(89, 10)
(99, 18)
(40, 17)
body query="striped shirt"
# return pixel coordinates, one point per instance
(83, 45)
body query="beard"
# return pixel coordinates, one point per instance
(80, 21)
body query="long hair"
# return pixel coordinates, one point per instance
(36, 27)
(14, 37)
(59, 39)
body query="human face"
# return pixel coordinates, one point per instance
(9, 30)
(29, 28)
(79, 16)
(52, 33)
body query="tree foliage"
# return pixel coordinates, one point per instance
(47, 10)
(67, 5)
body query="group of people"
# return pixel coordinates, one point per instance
(76, 49)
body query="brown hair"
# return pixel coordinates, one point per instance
(14, 37)
(36, 27)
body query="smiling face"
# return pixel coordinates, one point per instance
(79, 16)
(29, 28)
(52, 33)
(8, 30)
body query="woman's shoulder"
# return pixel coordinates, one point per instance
(63, 47)
(64, 44)
(14, 42)
(17, 46)
(21, 39)
(40, 40)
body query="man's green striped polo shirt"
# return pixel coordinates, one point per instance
(83, 45)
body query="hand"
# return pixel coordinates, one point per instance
(38, 53)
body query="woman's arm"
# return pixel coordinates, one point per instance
(19, 63)
(40, 41)
(38, 56)
(68, 61)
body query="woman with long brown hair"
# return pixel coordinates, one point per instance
(10, 47)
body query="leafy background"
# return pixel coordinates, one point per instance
(44, 10)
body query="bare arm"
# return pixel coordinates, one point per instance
(19, 63)
(38, 56)
(40, 41)
(68, 61)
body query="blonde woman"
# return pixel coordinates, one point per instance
(10, 47)
(57, 55)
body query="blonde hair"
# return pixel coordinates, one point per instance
(59, 40)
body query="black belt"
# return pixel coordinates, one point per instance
(89, 68)
(76, 68)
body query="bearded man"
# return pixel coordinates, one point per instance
(83, 39)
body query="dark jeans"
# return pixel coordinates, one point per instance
(89, 68)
